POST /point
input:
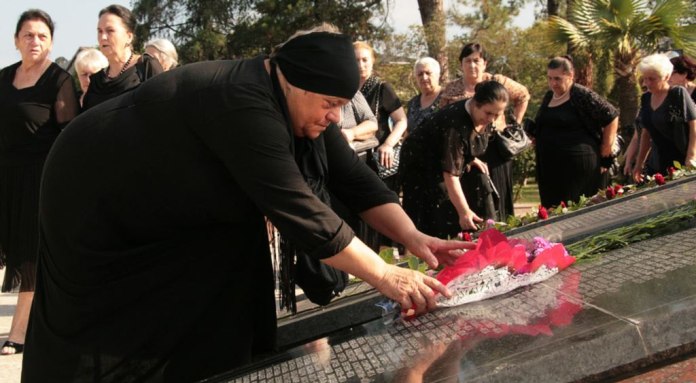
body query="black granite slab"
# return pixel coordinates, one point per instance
(357, 305)
(634, 306)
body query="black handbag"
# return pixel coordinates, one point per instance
(511, 141)
(382, 171)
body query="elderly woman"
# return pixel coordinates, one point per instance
(667, 118)
(127, 69)
(473, 59)
(164, 51)
(427, 74)
(436, 155)
(149, 204)
(385, 105)
(37, 99)
(88, 62)
(575, 131)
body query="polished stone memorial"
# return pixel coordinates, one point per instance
(633, 307)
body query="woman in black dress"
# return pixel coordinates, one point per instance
(444, 148)
(127, 69)
(158, 197)
(473, 60)
(37, 99)
(660, 106)
(575, 131)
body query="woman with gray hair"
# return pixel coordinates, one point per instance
(667, 118)
(164, 51)
(427, 73)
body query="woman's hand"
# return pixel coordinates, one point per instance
(482, 166)
(638, 174)
(411, 289)
(468, 220)
(628, 169)
(436, 251)
(386, 155)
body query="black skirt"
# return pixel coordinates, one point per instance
(19, 229)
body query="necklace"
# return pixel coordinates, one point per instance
(561, 96)
(123, 69)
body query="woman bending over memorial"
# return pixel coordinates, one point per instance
(473, 60)
(155, 264)
(437, 153)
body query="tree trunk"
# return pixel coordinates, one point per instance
(433, 17)
(626, 93)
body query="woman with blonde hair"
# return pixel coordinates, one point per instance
(88, 62)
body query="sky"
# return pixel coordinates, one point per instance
(76, 22)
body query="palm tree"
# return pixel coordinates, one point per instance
(624, 31)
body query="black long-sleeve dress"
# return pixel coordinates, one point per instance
(102, 88)
(155, 263)
(445, 142)
(30, 120)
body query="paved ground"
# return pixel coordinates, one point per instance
(680, 372)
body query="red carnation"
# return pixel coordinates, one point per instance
(466, 236)
(671, 170)
(610, 192)
(659, 179)
(563, 204)
(543, 213)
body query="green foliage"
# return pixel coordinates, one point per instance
(665, 223)
(216, 29)
(625, 30)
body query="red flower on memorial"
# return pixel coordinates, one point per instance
(543, 213)
(659, 179)
(671, 170)
(618, 189)
(563, 204)
(465, 236)
(610, 193)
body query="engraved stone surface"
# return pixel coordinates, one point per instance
(628, 306)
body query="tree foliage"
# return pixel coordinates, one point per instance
(626, 30)
(215, 29)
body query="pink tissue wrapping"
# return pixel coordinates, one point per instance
(494, 249)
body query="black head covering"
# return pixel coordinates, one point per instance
(320, 62)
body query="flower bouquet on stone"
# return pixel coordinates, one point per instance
(498, 265)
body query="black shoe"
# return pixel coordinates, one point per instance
(18, 348)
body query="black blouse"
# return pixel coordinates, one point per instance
(32, 117)
(158, 198)
(102, 88)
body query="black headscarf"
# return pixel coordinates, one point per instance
(320, 62)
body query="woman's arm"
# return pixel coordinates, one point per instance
(519, 96)
(467, 218)
(386, 150)
(608, 137)
(691, 148)
(643, 150)
(631, 153)
(364, 130)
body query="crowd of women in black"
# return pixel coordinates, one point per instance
(442, 153)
